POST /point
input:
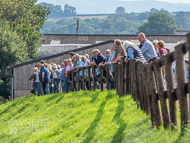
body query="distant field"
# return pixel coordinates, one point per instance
(81, 17)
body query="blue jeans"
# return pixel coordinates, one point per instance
(37, 88)
(64, 85)
(47, 88)
(56, 85)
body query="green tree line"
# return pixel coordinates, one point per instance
(123, 23)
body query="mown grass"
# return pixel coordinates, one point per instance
(80, 117)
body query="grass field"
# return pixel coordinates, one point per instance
(81, 117)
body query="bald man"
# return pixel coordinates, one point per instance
(147, 48)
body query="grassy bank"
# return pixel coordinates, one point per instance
(85, 117)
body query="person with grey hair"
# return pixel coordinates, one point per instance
(87, 56)
(155, 43)
(147, 48)
(133, 52)
(77, 64)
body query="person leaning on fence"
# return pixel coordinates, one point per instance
(119, 51)
(77, 64)
(147, 48)
(56, 78)
(68, 69)
(71, 54)
(155, 44)
(37, 81)
(85, 62)
(44, 77)
(133, 52)
(161, 49)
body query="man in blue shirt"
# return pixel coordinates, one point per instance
(147, 48)
(44, 77)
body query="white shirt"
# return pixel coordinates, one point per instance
(54, 75)
(37, 77)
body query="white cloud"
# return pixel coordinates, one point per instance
(170, 1)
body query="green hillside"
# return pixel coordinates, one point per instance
(79, 117)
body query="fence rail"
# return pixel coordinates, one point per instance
(145, 81)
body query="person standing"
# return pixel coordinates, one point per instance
(147, 48)
(44, 77)
(56, 78)
(37, 81)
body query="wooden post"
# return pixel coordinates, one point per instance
(94, 77)
(140, 85)
(125, 78)
(135, 91)
(144, 76)
(101, 79)
(107, 78)
(161, 94)
(67, 88)
(132, 79)
(153, 99)
(116, 76)
(89, 78)
(188, 44)
(83, 78)
(118, 79)
(73, 81)
(150, 98)
(180, 74)
(170, 88)
(78, 80)
(122, 79)
(129, 74)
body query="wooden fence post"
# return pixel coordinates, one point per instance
(116, 77)
(129, 74)
(101, 78)
(170, 88)
(107, 77)
(127, 78)
(122, 77)
(94, 77)
(73, 81)
(180, 74)
(89, 78)
(144, 76)
(79, 80)
(83, 78)
(119, 79)
(156, 117)
(135, 83)
(132, 79)
(161, 94)
(67, 88)
(140, 85)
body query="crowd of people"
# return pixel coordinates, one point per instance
(52, 78)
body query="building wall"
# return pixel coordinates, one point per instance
(22, 72)
(91, 39)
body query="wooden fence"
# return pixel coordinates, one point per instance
(145, 82)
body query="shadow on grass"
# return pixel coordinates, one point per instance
(118, 137)
(90, 132)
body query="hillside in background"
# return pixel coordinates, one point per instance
(80, 117)
(109, 6)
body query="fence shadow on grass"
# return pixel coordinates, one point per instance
(90, 132)
(118, 137)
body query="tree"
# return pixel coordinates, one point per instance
(69, 10)
(12, 50)
(20, 33)
(26, 18)
(120, 10)
(181, 19)
(158, 23)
